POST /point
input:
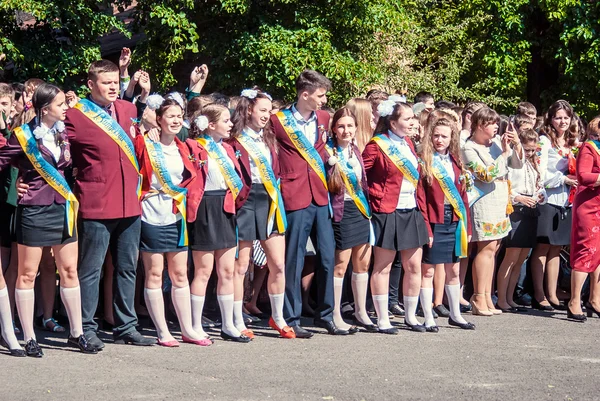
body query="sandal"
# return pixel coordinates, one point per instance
(55, 328)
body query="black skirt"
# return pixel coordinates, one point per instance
(43, 226)
(524, 222)
(444, 241)
(253, 216)
(554, 225)
(353, 229)
(213, 229)
(161, 239)
(400, 230)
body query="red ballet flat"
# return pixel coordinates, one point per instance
(248, 333)
(204, 342)
(286, 332)
(168, 344)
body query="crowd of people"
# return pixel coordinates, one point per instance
(131, 195)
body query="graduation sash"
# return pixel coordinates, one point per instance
(451, 193)
(393, 153)
(179, 194)
(49, 173)
(231, 177)
(267, 176)
(595, 145)
(112, 128)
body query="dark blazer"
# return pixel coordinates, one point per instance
(105, 180)
(244, 161)
(189, 173)
(300, 185)
(433, 198)
(196, 189)
(40, 192)
(337, 200)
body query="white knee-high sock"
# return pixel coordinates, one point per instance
(197, 308)
(8, 331)
(71, 298)
(25, 300)
(338, 285)
(410, 310)
(453, 294)
(359, 290)
(226, 306)
(183, 307)
(381, 307)
(277, 309)
(426, 300)
(156, 309)
(238, 316)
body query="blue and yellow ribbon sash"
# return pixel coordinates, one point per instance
(267, 176)
(112, 128)
(179, 194)
(405, 166)
(231, 177)
(49, 173)
(454, 198)
(595, 144)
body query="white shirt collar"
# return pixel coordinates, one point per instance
(298, 116)
(444, 158)
(257, 136)
(393, 135)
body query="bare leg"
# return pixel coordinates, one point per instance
(509, 264)
(439, 280)
(538, 265)
(552, 271)
(48, 285)
(514, 277)
(577, 280)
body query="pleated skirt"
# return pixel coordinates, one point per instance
(213, 229)
(400, 230)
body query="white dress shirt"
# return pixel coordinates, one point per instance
(407, 199)
(308, 127)
(355, 165)
(214, 179)
(257, 137)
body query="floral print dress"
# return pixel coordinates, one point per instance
(490, 213)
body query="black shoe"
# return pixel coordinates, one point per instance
(241, 339)
(94, 341)
(464, 326)
(250, 319)
(520, 309)
(135, 338)
(558, 306)
(301, 332)
(578, 318)
(590, 310)
(421, 314)
(441, 310)
(415, 327)
(432, 329)
(508, 310)
(390, 315)
(330, 327)
(353, 329)
(465, 308)
(208, 324)
(536, 305)
(391, 330)
(13, 352)
(83, 344)
(32, 348)
(371, 328)
(396, 310)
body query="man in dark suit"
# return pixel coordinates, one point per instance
(302, 130)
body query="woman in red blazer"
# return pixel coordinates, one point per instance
(167, 173)
(212, 228)
(442, 166)
(393, 173)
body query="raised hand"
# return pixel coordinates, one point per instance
(124, 61)
(72, 99)
(198, 78)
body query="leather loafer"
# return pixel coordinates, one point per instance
(396, 310)
(33, 349)
(19, 352)
(419, 328)
(432, 329)
(465, 308)
(391, 330)
(83, 344)
(331, 328)
(241, 339)
(94, 341)
(135, 338)
(353, 329)
(301, 332)
(441, 310)
(464, 326)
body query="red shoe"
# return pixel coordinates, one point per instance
(168, 344)
(248, 333)
(204, 342)
(286, 332)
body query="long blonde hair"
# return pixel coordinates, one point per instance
(427, 150)
(363, 114)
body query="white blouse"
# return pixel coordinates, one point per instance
(355, 164)
(262, 146)
(407, 199)
(214, 179)
(554, 167)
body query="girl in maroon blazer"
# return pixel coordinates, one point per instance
(347, 183)
(167, 173)
(261, 213)
(211, 204)
(46, 213)
(445, 198)
(392, 169)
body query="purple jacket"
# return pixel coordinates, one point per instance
(337, 200)
(40, 193)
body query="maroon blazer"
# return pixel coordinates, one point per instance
(433, 197)
(199, 157)
(105, 180)
(385, 180)
(244, 161)
(300, 185)
(337, 200)
(40, 193)
(189, 172)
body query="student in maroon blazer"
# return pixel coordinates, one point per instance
(440, 151)
(306, 200)
(253, 139)
(397, 219)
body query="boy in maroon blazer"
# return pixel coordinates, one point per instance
(301, 133)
